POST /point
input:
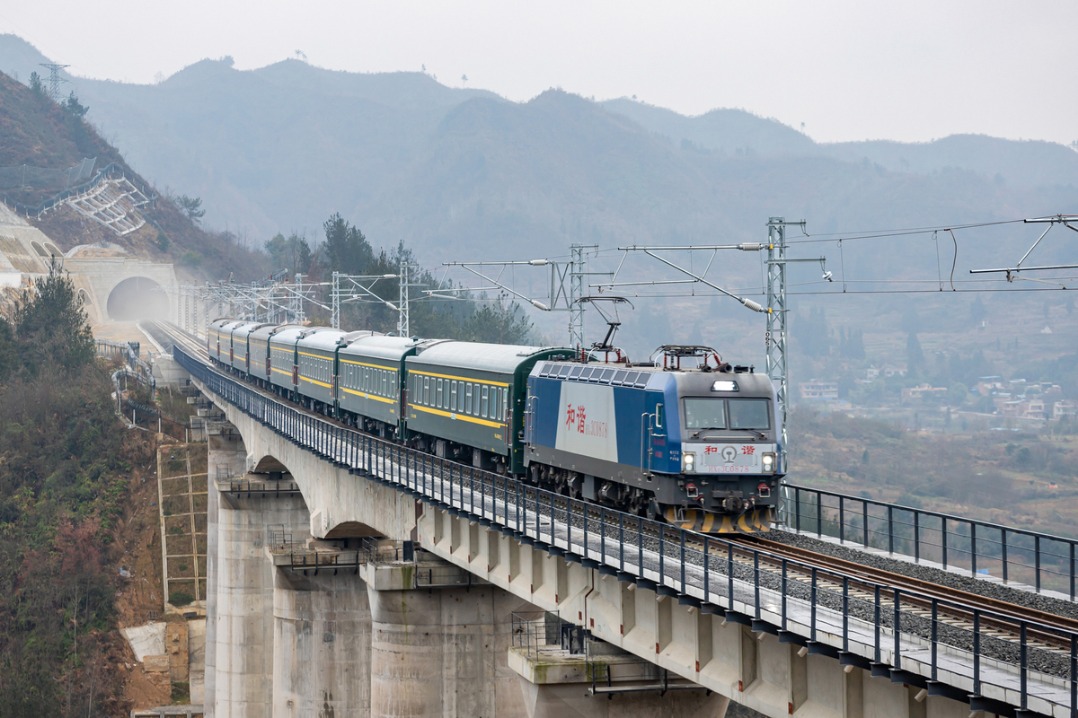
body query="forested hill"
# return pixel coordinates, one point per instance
(64, 473)
(456, 173)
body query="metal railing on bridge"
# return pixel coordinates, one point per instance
(881, 633)
(1043, 561)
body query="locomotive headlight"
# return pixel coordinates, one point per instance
(688, 462)
(724, 385)
(768, 461)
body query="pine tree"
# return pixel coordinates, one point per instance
(50, 326)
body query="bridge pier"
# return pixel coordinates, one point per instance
(322, 644)
(438, 645)
(242, 637)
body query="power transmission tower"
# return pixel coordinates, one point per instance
(54, 79)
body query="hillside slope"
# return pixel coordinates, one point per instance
(43, 140)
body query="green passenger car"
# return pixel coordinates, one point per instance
(469, 398)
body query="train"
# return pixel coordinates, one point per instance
(684, 437)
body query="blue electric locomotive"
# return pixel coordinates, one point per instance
(697, 445)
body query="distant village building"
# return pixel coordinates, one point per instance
(1064, 409)
(989, 385)
(922, 392)
(887, 371)
(816, 390)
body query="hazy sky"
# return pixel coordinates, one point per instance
(912, 70)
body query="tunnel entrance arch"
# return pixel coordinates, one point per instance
(137, 298)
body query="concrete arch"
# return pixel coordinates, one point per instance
(272, 467)
(137, 298)
(272, 470)
(340, 505)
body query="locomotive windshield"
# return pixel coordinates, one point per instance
(705, 413)
(715, 413)
(749, 414)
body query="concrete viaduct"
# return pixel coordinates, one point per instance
(442, 633)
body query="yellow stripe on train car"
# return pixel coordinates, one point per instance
(372, 397)
(459, 417)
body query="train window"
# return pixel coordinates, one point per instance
(705, 413)
(453, 395)
(426, 390)
(749, 414)
(485, 402)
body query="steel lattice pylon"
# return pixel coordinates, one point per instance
(775, 338)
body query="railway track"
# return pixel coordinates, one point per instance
(950, 606)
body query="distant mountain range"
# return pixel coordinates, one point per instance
(460, 173)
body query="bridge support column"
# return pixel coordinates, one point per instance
(240, 624)
(322, 638)
(441, 648)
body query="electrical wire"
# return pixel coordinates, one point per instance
(888, 233)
